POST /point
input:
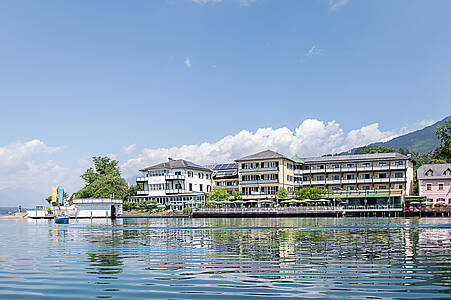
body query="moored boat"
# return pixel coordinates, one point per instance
(62, 220)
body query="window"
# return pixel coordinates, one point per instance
(382, 163)
(447, 172)
(429, 187)
(201, 175)
(335, 166)
(429, 173)
(290, 166)
(207, 176)
(399, 175)
(335, 177)
(366, 165)
(178, 173)
(335, 188)
(383, 175)
(190, 187)
(440, 186)
(350, 188)
(366, 176)
(365, 187)
(399, 163)
(208, 188)
(350, 176)
(320, 177)
(350, 165)
(201, 187)
(320, 167)
(382, 187)
(190, 173)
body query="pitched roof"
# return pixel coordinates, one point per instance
(355, 157)
(438, 171)
(176, 164)
(267, 154)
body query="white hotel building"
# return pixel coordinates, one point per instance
(175, 183)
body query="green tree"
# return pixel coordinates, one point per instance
(218, 194)
(129, 205)
(236, 195)
(282, 193)
(308, 193)
(104, 181)
(374, 149)
(104, 166)
(443, 153)
(131, 191)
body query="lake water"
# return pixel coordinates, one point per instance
(225, 258)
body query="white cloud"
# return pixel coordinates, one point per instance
(13, 155)
(310, 138)
(22, 166)
(188, 62)
(247, 2)
(206, 1)
(424, 123)
(313, 51)
(335, 4)
(128, 149)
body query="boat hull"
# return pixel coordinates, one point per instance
(62, 220)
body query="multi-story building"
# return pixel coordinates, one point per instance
(262, 174)
(176, 183)
(380, 171)
(434, 183)
(226, 176)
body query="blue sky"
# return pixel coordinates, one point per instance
(141, 80)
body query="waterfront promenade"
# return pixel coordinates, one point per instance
(319, 211)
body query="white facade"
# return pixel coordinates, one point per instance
(176, 182)
(97, 208)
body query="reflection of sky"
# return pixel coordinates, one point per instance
(322, 257)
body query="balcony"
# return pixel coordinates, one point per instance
(259, 170)
(142, 192)
(231, 187)
(317, 182)
(259, 182)
(402, 179)
(174, 177)
(174, 191)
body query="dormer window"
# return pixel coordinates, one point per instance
(447, 172)
(429, 173)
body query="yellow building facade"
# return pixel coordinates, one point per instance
(261, 175)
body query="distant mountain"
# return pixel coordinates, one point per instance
(14, 197)
(421, 141)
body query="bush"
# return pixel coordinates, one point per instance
(187, 210)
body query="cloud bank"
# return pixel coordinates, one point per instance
(310, 138)
(30, 165)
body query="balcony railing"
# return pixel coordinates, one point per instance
(353, 169)
(141, 179)
(174, 177)
(174, 191)
(276, 169)
(259, 182)
(353, 181)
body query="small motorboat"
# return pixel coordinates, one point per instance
(62, 220)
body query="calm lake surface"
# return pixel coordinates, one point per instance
(226, 258)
